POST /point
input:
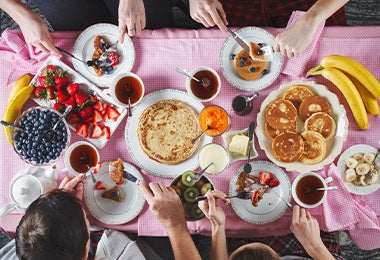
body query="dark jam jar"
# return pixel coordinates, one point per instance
(242, 104)
(201, 91)
(128, 86)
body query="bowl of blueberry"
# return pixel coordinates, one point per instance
(42, 135)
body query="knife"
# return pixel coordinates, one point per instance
(130, 177)
(242, 44)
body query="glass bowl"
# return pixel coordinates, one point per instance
(215, 119)
(37, 143)
(216, 154)
(188, 191)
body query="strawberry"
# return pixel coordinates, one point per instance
(82, 129)
(40, 92)
(70, 102)
(45, 81)
(86, 112)
(97, 116)
(72, 118)
(97, 132)
(106, 132)
(61, 82)
(72, 89)
(112, 113)
(49, 70)
(99, 186)
(60, 107)
(98, 106)
(273, 182)
(81, 98)
(61, 96)
(50, 92)
(114, 58)
(265, 178)
(254, 197)
(97, 167)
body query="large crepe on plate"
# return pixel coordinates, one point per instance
(165, 131)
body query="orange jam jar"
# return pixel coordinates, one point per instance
(215, 118)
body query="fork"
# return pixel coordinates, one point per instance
(267, 51)
(245, 195)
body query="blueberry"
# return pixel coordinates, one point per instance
(108, 61)
(259, 52)
(261, 44)
(241, 64)
(90, 63)
(232, 56)
(252, 69)
(265, 71)
(243, 59)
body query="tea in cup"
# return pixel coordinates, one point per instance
(127, 85)
(80, 157)
(305, 189)
(208, 86)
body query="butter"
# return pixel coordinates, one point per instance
(239, 144)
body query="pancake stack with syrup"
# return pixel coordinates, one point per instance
(299, 108)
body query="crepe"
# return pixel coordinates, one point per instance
(165, 130)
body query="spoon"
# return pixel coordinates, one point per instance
(201, 134)
(85, 159)
(245, 195)
(205, 82)
(251, 128)
(67, 110)
(253, 97)
(128, 91)
(4, 123)
(328, 188)
(310, 189)
(199, 174)
(376, 154)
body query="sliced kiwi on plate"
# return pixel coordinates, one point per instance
(190, 194)
(187, 178)
(196, 212)
(205, 188)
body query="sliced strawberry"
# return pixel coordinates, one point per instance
(86, 112)
(114, 58)
(72, 89)
(112, 113)
(82, 129)
(99, 186)
(81, 98)
(98, 106)
(73, 118)
(49, 70)
(46, 81)
(40, 92)
(273, 181)
(254, 197)
(265, 177)
(106, 132)
(97, 116)
(97, 132)
(60, 107)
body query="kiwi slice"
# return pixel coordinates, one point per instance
(196, 212)
(199, 184)
(205, 188)
(187, 178)
(190, 194)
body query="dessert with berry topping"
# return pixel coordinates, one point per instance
(104, 58)
(113, 194)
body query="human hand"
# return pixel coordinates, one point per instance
(295, 39)
(164, 203)
(132, 18)
(211, 208)
(209, 13)
(73, 185)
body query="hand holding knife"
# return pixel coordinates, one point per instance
(243, 44)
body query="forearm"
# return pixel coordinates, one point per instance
(323, 9)
(319, 252)
(218, 243)
(15, 9)
(182, 243)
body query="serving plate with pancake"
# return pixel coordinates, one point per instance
(273, 141)
(270, 207)
(230, 47)
(159, 132)
(109, 211)
(84, 49)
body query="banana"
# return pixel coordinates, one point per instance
(14, 107)
(22, 81)
(349, 91)
(369, 100)
(354, 68)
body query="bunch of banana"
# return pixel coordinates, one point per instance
(20, 93)
(358, 85)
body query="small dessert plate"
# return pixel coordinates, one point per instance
(227, 137)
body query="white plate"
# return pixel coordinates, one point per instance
(109, 211)
(227, 137)
(256, 35)
(334, 145)
(142, 160)
(84, 85)
(359, 190)
(84, 48)
(271, 207)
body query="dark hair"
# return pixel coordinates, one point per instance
(257, 253)
(53, 227)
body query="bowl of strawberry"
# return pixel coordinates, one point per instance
(42, 135)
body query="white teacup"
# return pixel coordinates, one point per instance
(80, 157)
(124, 82)
(304, 189)
(199, 92)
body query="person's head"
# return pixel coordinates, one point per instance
(54, 227)
(254, 251)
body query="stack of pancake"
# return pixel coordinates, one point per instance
(299, 124)
(246, 67)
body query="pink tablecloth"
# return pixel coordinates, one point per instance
(157, 54)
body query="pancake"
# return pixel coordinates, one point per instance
(314, 147)
(281, 114)
(288, 147)
(272, 132)
(296, 94)
(116, 169)
(312, 105)
(165, 130)
(322, 123)
(245, 67)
